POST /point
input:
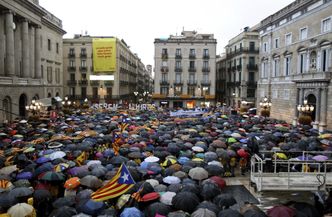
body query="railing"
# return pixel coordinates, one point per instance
(71, 68)
(192, 56)
(252, 67)
(178, 82)
(192, 82)
(71, 55)
(206, 56)
(178, 69)
(83, 68)
(242, 50)
(178, 56)
(83, 55)
(206, 69)
(239, 67)
(83, 82)
(252, 83)
(164, 69)
(205, 83)
(192, 69)
(164, 56)
(72, 82)
(94, 83)
(164, 82)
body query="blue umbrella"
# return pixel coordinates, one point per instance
(131, 212)
(183, 160)
(43, 168)
(92, 207)
(24, 175)
(42, 160)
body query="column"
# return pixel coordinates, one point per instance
(2, 45)
(32, 52)
(37, 53)
(323, 103)
(301, 98)
(317, 109)
(10, 64)
(296, 112)
(25, 49)
(18, 50)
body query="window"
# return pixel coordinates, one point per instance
(178, 52)
(164, 51)
(205, 77)
(191, 78)
(72, 91)
(57, 47)
(191, 90)
(288, 39)
(72, 77)
(164, 90)
(164, 77)
(276, 43)
(178, 78)
(324, 60)
(303, 33)
(95, 92)
(192, 65)
(251, 46)
(83, 51)
(83, 76)
(192, 52)
(326, 25)
(71, 63)
(251, 61)
(265, 47)
(206, 52)
(72, 51)
(205, 91)
(287, 65)
(42, 71)
(83, 92)
(250, 93)
(205, 64)
(109, 91)
(49, 74)
(276, 67)
(264, 69)
(49, 44)
(251, 76)
(83, 63)
(302, 62)
(178, 64)
(178, 91)
(57, 75)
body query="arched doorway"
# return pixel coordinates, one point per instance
(7, 108)
(312, 101)
(22, 104)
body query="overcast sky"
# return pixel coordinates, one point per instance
(139, 22)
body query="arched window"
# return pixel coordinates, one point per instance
(313, 60)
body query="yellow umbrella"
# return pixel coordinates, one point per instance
(281, 156)
(168, 162)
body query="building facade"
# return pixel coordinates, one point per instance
(296, 60)
(221, 73)
(30, 56)
(185, 70)
(130, 75)
(242, 56)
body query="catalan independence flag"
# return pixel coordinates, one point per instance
(117, 186)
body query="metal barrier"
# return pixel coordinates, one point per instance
(272, 174)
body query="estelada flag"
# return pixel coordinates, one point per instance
(117, 186)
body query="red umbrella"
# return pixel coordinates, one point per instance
(219, 181)
(281, 211)
(242, 153)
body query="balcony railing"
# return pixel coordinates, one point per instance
(178, 82)
(192, 69)
(252, 83)
(242, 50)
(194, 82)
(71, 68)
(83, 68)
(178, 56)
(164, 56)
(206, 56)
(83, 82)
(71, 55)
(205, 83)
(94, 83)
(206, 69)
(83, 55)
(71, 82)
(239, 67)
(108, 83)
(192, 56)
(233, 68)
(164, 82)
(178, 69)
(164, 69)
(252, 67)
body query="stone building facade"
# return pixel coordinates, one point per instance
(296, 60)
(30, 56)
(130, 75)
(185, 70)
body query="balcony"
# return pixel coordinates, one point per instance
(83, 68)
(252, 83)
(206, 56)
(192, 56)
(71, 55)
(83, 82)
(164, 69)
(239, 67)
(192, 69)
(205, 83)
(83, 55)
(178, 83)
(206, 69)
(164, 56)
(192, 83)
(229, 69)
(94, 83)
(312, 76)
(252, 67)
(178, 56)
(164, 82)
(242, 50)
(233, 68)
(71, 68)
(178, 69)
(71, 82)
(108, 83)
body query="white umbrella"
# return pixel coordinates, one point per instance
(8, 169)
(198, 173)
(91, 162)
(167, 197)
(20, 210)
(214, 162)
(171, 180)
(151, 159)
(236, 135)
(153, 182)
(197, 149)
(57, 154)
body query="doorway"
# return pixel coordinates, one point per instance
(22, 104)
(312, 101)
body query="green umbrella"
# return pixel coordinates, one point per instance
(231, 140)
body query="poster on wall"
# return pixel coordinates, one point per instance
(104, 54)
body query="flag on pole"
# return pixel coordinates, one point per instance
(137, 195)
(117, 186)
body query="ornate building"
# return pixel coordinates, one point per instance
(30, 56)
(296, 60)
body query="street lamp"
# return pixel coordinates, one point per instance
(305, 111)
(145, 95)
(265, 105)
(136, 94)
(34, 107)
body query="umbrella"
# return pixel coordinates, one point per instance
(83, 195)
(210, 206)
(167, 197)
(229, 213)
(203, 212)
(63, 201)
(92, 207)
(171, 180)
(21, 192)
(219, 181)
(57, 154)
(320, 158)
(64, 211)
(22, 183)
(158, 208)
(254, 213)
(61, 167)
(185, 201)
(281, 156)
(198, 173)
(214, 170)
(118, 160)
(91, 181)
(305, 209)
(20, 210)
(7, 200)
(178, 214)
(52, 176)
(42, 160)
(8, 169)
(72, 183)
(281, 211)
(131, 212)
(152, 159)
(99, 171)
(242, 153)
(224, 200)
(180, 174)
(150, 196)
(43, 168)
(41, 195)
(210, 190)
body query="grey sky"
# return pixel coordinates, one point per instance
(139, 22)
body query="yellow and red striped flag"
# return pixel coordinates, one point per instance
(123, 126)
(117, 186)
(137, 195)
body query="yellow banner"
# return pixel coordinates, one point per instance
(104, 54)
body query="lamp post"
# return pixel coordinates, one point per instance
(265, 105)
(145, 96)
(85, 103)
(244, 106)
(136, 94)
(305, 112)
(34, 108)
(66, 105)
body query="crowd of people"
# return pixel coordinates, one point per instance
(178, 165)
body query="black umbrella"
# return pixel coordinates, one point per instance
(185, 201)
(254, 213)
(214, 170)
(210, 190)
(65, 211)
(191, 187)
(174, 188)
(224, 200)
(305, 209)
(41, 195)
(7, 200)
(229, 213)
(118, 160)
(21, 192)
(210, 206)
(157, 208)
(63, 201)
